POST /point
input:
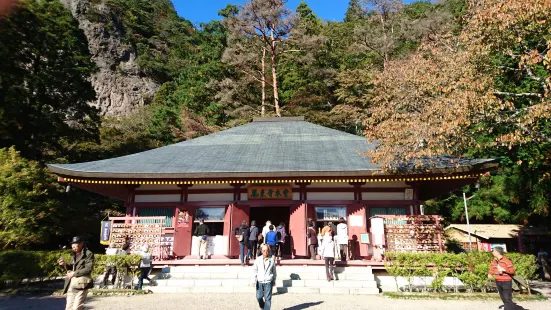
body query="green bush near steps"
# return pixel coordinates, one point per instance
(19, 268)
(471, 268)
(452, 296)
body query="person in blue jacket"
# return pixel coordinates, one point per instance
(271, 239)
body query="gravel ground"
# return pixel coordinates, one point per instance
(247, 301)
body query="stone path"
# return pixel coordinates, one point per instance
(247, 301)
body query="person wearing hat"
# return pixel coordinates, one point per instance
(79, 274)
(201, 232)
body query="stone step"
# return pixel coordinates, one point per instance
(246, 274)
(323, 276)
(325, 283)
(327, 290)
(203, 282)
(283, 269)
(278, 290)
(204, 289)
(298, 290)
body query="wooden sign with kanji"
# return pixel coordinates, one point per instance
(270, 192)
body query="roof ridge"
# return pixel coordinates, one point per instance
(279, 119)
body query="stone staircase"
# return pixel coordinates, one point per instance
(295, 279)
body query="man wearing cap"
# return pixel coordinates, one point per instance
(79, 274)
(201, 232)
(502, 270)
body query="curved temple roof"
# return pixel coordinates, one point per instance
(272, 147)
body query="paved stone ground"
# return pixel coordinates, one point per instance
(542, 287)
(247, 301)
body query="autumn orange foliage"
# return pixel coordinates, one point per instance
(440, 99)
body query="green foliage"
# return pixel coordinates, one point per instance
(45, 81)
(475, 270)
(471, 268)
(19, 267)
(525, 267)
(36, 211)
(29, 203)
(16, 266)
(160, 38)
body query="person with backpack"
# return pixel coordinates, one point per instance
(242, 235)
(271, 239)
(253, 240)
(281, 235)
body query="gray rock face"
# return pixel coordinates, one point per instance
(120, 85)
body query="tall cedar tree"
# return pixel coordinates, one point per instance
(268, 22)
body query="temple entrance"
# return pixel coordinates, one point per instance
(276, 215)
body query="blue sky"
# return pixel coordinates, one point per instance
(206, 10)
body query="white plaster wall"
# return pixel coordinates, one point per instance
(382, 196)
(157, 198)
(210, 197)
(296, 196)
(330, 196)
(244, 197)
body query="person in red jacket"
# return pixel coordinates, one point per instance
(502, 270)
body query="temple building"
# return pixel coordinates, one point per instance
(285, 170)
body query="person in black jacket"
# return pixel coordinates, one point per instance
(201, 231)
(242, 235)
(253, 240)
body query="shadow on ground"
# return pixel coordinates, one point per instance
(304, 305)
(42, 303)
(543, 287)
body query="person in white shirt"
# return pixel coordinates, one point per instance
(264, 277)
(342, 238)
(266, 229)
(327, 251)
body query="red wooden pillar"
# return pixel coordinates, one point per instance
(297, 230)
(130, 199)
(227, 231)
(359, 250)
(238, 214)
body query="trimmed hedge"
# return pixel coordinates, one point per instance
(25, 267)
(471, 268)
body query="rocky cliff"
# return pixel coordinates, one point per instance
(120, 85)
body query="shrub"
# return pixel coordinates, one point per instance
(471, 268)
(525, 267)
(17, 267)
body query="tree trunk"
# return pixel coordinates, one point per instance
(274, 74)
(263, 104)
(385, 40)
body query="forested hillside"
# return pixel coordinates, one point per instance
(84, 80)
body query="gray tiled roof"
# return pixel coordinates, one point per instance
(265, 147)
